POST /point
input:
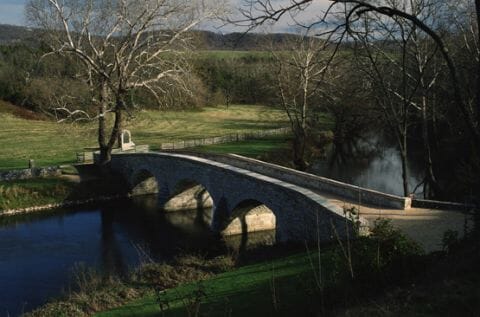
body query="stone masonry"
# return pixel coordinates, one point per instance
(299, 212)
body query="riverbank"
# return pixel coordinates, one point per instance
(94, 291)
(385, 273)
(39, 194)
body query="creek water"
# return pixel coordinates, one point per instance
(371, 162)
(39, 253)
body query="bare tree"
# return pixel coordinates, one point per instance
(124, 45)
(299, 74)
(422, 40)
(401, 64)
(259, 12)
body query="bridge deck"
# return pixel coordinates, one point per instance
(426, 226)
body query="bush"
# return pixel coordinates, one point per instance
(387, 254)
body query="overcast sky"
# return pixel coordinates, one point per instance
(12, 12)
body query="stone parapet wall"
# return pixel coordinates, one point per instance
(300, 214)
(434, 204)
(30, 173)
(314, 182)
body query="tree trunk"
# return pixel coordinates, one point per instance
(299, 143)
(404, 159)
(477, 9)
(104, 153)
(402, 139)
(430, 179)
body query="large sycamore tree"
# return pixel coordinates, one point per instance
(124, 46)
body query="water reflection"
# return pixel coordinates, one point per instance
(370, 162)
(39, 251)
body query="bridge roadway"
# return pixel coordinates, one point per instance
(300, 214)
(424, 225)
(299, 210)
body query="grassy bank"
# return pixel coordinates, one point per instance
(50, 143)
(385, 276)
(44, 191)
(93, 291)
(246, 291)
(293, 284)
(35, 192)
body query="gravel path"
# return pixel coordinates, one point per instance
(426, 226)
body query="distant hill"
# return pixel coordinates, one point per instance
(240, 41)
(10, 34)
(204, 40)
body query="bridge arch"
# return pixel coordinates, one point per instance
(249, 215)
(295, 208)
(190, 194)
(251, 223)
(143, 182)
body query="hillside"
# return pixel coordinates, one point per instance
(206, 40)
(10, 34)
(203, 40)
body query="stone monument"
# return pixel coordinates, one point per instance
(126, 143)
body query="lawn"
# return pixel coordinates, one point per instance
(254, 148)
(36, 192)
(43, 191)
(50, 143)
(254, 290)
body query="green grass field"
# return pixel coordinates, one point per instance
(305, 284)
(50, 143)
(253, 290)
(36, 192)
(254, 148)
(232, 54)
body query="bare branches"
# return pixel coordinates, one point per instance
(259, 12)
(65, 110)
(124, 46)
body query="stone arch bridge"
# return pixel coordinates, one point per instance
(300, 214)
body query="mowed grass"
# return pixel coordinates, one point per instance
(36, 192)
(253, 290)
(254, 148)
(51, 143)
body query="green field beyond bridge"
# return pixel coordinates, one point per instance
(51, 143)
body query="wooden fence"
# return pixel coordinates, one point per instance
(88, 156)
(183, 144)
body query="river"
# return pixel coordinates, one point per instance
(40, 252)
(371, 162)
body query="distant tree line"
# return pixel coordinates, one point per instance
(381, 72)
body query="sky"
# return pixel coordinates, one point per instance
(12, 12)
